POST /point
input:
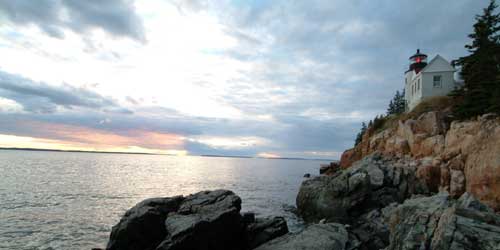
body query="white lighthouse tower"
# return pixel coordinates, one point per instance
(424, 80)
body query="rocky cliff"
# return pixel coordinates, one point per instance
(420, 181)
(457, 156)
(385, 205)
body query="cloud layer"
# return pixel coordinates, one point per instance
(287, 78)
(40, 97)
(116, 17)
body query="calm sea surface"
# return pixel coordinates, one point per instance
(56, 200)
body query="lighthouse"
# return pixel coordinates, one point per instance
(424, 80)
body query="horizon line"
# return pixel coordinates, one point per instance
(145, 153)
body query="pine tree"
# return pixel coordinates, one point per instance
(359, 136)
(495, 98)
(391, 109)
(397, 104)
(481, 69)
(400, 102)
(378, 122)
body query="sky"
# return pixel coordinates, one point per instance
(282, 78)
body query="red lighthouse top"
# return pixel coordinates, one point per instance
(418, 61)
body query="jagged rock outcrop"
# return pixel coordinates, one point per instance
(371, 183)
(314, 237)
(454, 157)
(424, 136)
(441, 223)
(367, 194)
(362, 196)
(207, 220)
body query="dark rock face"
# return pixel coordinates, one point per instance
(264, 230)
(208, 220)
(370, 230)
(314, 237)
(142, 227)
(441, 223)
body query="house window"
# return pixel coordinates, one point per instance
(437, 81)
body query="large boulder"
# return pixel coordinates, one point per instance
(208, 220)
(441, 223)
(142, 226)
(330, 236)
(205, 220)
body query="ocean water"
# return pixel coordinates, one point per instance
(58, 200)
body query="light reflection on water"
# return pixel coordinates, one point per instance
(54, 200)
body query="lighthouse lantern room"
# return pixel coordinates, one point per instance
(418, 62)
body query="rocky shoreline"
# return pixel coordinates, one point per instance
(423, 184)
(373, 205)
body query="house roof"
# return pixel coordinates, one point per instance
(438, 64)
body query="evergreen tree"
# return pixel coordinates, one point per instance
(391, 109)
(360, 134)
(378, 122)
(481, 69)
(397, 104)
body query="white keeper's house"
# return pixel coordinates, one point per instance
(424, 80)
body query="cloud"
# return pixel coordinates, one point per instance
(44, 98)
(116, 17)
(340, 56)
(300, 76)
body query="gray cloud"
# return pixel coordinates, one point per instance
(43, 98)
(342, 56)
(116, 17)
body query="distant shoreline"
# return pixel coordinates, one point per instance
(137, 153)
(77, 151)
